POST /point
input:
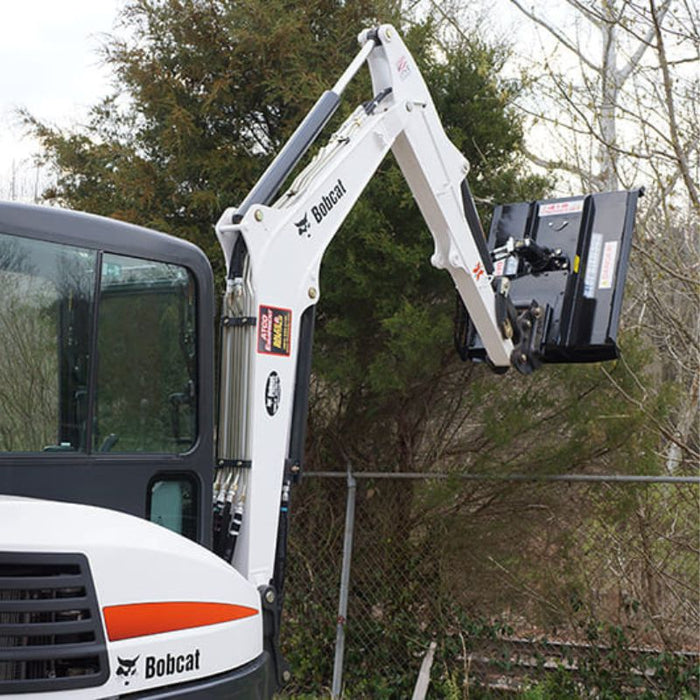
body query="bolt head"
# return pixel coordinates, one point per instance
(258, 215)
(312, 293)
(286, 676)
(522, 359)
(269, 596)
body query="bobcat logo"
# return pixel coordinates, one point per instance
(303, 226)
(127, 668)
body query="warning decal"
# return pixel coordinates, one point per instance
(274, 330)
(592, 265)
(403, 68)
(571, 207)
(607, 268)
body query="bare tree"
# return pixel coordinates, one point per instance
(24, 181)
(615, 104)
(619, 94)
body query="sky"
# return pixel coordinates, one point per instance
(49, 64)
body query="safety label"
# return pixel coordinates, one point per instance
(592, 265)
(607, 268)
(506, 266)
(573, 206)
(274, 330)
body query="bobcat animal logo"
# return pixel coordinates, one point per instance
(303, 226)
(127, 668)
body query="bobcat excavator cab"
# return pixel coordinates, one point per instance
(140, 559)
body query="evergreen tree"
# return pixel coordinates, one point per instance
(206, 92)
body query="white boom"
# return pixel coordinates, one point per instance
(285, 243)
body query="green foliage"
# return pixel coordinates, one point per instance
(206, 91)
(475, 105)
(384, 340)
(614, 670)
(609, 667)
(310, 646)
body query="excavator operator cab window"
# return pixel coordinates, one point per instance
(146, 374)
(172, 503)
(126, 370)
(45, 313)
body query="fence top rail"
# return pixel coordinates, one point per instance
(595, 478)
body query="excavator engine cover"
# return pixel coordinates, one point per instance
(567, 258)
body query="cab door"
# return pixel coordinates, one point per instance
(106, 386)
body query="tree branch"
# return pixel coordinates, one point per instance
(644, 44)
(668, 434)
(673, 126)
(559, 165)
(561, 38)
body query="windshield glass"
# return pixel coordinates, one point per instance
(146, 348)
(45, 312)
(132, 389)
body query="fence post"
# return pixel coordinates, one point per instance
(344, 586)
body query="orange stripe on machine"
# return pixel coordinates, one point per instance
(140, 619)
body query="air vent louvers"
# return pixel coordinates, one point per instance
(51, 634)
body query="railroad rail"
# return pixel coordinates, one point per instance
(510, 664)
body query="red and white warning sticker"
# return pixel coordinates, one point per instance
(274, 330)
(607, 267)
(572, 206)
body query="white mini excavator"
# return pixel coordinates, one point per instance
(141, 558)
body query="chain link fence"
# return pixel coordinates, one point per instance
(568, 587)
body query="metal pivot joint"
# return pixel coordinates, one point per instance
(506, 313)
(272, 617)
(531, 323)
